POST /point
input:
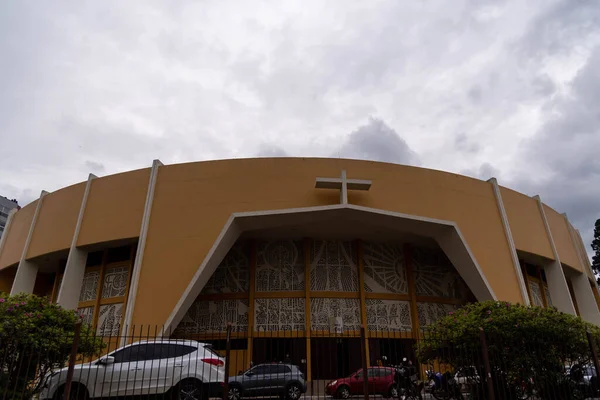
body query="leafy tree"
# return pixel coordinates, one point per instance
(35, 339)
(596, 248)
(528, 347)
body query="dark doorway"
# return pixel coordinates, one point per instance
(333, 358)
(267, 350)
(394, 349)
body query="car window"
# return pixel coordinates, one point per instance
(384, 372)
(131, 353)
(260, 370)
(279, 369)
(359, 374)
(373, 372)
(170, 350)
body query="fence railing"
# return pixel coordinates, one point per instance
(297, 364)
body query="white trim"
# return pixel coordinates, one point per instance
(11, 213)
(557, 283)
(70, 287)
(510, 240)
(27, 271)
(139, 256)
(446, 233)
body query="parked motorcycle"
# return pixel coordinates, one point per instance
(443, 386)
(407, 382)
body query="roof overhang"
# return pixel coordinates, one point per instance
(445, 233)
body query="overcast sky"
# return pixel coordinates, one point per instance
(509, 89)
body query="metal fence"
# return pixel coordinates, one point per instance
(150, 363)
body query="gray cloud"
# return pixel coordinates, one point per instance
(482, 87)
(378, 142)
(270, 150)
(94, 166)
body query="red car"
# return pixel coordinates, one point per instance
(380, 380)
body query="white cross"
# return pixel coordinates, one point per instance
(343, 185)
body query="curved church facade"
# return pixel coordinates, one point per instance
(293, 250)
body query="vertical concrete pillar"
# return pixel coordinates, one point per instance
(139, 256)
(27, 270)
(509, 239)
(586, 301)
(70, 287)
(557, 283)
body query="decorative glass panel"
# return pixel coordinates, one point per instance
(431, 312)
(323, 309)
(548, 298)
(87, 315)
(279, 266)
(435, 275)
(115, 282)
(385, 270)
(388, 315)
(89, 287)
(536, 293)
(208, 316)
(109, 319)
(232, 275)
(279, 314)
(333, 266)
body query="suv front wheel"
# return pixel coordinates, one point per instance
(293, 392)
(235, 392)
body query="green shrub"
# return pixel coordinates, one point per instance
(525, 344)
(35, 339)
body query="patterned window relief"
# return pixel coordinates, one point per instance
(109, 319)
(536, 293)
(115, 282)
(322, 309)
(388, 315)
(233, 274)
(333, 266)
(548, 298)
(429, 313)
(279, 315)
(211, 316)
(279, 266)
(87, 315)
(89, 287)
(384, 268)
(435, 275)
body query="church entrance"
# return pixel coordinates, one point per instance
(333, 358)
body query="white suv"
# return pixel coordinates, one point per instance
(188, 369)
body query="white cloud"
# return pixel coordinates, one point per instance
(454, 86)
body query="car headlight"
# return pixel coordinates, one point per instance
(333, 383)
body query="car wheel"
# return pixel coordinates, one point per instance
(393, 392)
(189, 389)
(78, 392)
(293, 392)
(343, 392)
(235, 393)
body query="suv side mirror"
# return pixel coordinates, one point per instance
(106, 360)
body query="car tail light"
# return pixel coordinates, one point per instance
(213, 361)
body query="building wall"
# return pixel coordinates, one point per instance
(562, 239)
(7, 275)
(56, 221)
(17, 235)
(114, 208)
(193, 201)
(526, 223)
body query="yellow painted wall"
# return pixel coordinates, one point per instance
(526, 223)
(115, 207)
(17, 235)
(562, 238)
(7, 276)
(193, 201)
(208, 193)
(56, 221)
